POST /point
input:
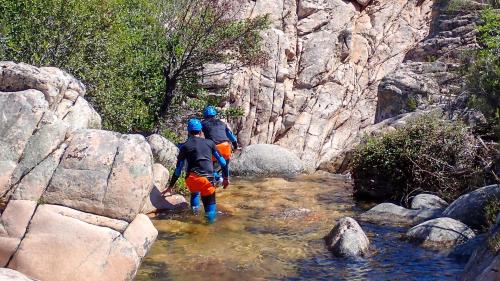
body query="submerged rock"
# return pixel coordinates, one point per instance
(440, 232)
(391, 214)
(266, 160)
(347, 239)
(469, 208)
(428, 201)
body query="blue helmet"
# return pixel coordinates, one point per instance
(194, 125)
(209, 111)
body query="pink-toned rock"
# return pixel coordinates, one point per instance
(58, 247)
(157, 202)
(103, 173)
(141, 233)
(14, 221)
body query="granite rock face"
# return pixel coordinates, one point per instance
(73, 193)
(318, 89)
(440, 232)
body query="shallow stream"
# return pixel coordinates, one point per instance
(272, 229)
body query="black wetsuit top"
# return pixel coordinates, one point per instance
(198, 153)
(216, 130)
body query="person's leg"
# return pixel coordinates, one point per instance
(210, 207)
(195, 201)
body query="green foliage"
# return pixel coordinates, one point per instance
(203, 32)
(427, 155)
(412, 104)
(461, 5)
(113, 46)
(494, 242)
(483, 72)
(134, 55)
(491, 209)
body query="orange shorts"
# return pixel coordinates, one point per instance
(225, 150)
(200, 184)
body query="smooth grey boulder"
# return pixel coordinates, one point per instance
(428, 201)
(347, 239)
(469, 208)
(7, 274)
(164, 151)
(392, 214)
(266, 160)
(441, 233)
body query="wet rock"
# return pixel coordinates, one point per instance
(465, 250)
(469, 208)
(347, 239)
(266, 160)
(391, 214)
(7, 274)
(59, 247)
(164, 151)
(484, 264)
(156, 201)
(440, 232)
(428, 201)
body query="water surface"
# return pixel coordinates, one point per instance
(273, 229)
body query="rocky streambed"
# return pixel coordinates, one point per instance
(273, 229)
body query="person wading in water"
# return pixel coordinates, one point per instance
(198, 153)
(217, 131)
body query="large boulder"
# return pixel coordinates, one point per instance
(266, 160)
(117, 167)
(428, 201)
(469, 208)
(440, 232)
(61, 246)
(347, 239)
(164, 151)
(96, 181)
(392, 214)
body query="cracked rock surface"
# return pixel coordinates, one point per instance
(318, 89)
(72, 193)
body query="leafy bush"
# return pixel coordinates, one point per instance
(491, 209)
(483, 73)
(113, 46)
(427, 155)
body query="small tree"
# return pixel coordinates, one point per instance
(200, 32)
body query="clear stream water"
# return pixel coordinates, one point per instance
(273, 229)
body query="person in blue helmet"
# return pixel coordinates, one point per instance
(216, 130)
(198, 153)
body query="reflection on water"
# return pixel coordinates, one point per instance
(272, 229)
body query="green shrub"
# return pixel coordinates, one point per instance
(483, 73)
(114, 47)
(427, 155)
(491, 209)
